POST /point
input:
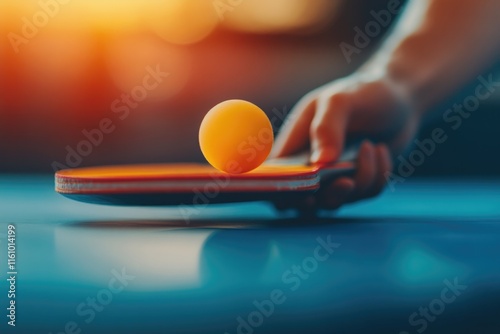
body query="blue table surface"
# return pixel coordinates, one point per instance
(422, 257)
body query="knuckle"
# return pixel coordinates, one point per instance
(338, 100)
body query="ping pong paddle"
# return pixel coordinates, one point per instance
(192, 184)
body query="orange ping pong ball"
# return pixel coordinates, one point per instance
(236, 136)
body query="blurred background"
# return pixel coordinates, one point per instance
(67, 65)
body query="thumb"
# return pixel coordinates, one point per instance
(328, 129)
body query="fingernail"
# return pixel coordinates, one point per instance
(315, 156)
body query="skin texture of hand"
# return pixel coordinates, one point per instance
(358, 106)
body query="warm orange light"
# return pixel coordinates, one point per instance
(57, 63)
(88, 14)
(107, 15)
(176, 21)
(180, 21)
(147, 65)
(278, 15)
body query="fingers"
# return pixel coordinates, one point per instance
(345, 190)
(294, 134)
(328, 128)
(336, 193)
(373, 164)
(366, 168)
(322, 121)
(374, 161)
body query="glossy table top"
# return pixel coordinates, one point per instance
(424, 257)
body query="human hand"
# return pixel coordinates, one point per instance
(358, 106)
